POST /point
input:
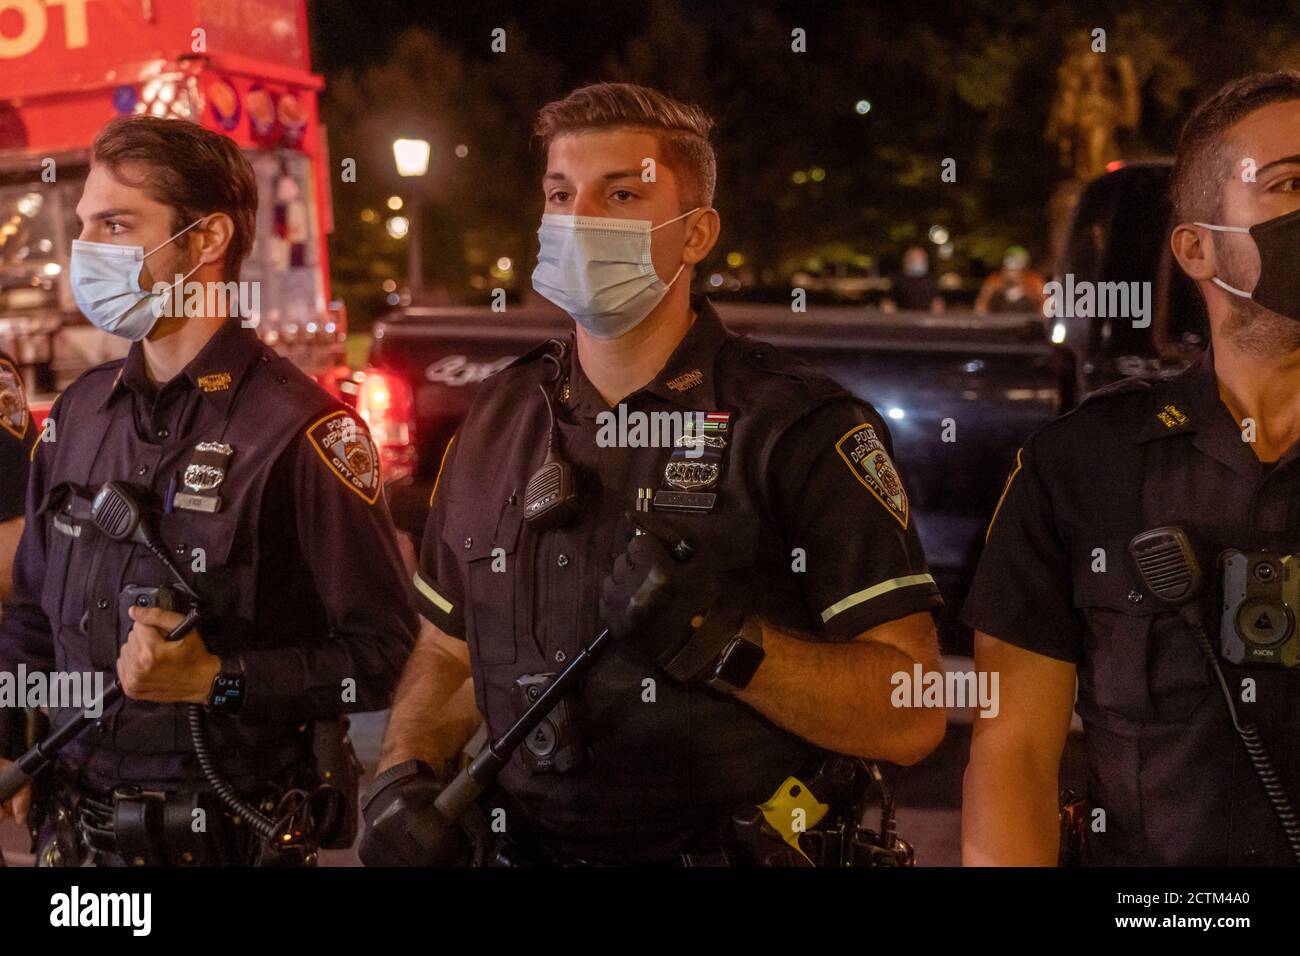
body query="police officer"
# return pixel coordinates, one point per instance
(807, 590)
(1057, 598)
(266, 495)
(17, 436)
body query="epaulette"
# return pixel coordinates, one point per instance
(95, 383)
(536, 352)
(774, 361)
(1123, 387)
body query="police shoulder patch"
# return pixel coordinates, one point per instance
(14, 417)
(864, 453)
(347, 449)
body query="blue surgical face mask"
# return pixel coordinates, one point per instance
(599, 270)
(106, 284)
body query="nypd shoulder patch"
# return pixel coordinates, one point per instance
(864, 453)
(346, 447)
(14, 417)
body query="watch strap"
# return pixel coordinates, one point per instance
(697, 657)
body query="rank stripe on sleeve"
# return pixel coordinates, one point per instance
(434, 598)
(875, 591)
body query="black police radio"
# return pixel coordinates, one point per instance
(1261, 594)
(551, 495)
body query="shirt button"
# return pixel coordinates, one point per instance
(102, 603)
(469, 543)
(561, 657)
(142, 470)
(562, 560)
(1135, 596)
(162, 433)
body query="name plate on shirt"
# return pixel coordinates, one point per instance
(692, 501)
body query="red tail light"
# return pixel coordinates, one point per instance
(385, 405)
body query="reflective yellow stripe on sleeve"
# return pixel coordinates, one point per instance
(436, 599)
(873, 592)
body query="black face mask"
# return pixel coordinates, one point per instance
(1278, 241)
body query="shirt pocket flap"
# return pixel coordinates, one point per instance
(474, 530)
(1104, 578)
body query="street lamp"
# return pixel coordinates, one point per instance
(412, 159)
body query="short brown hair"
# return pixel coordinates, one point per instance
(1201, 164)
(682, 129)
(194, 170)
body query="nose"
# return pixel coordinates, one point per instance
(588, 204)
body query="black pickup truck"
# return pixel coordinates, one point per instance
(961, 392)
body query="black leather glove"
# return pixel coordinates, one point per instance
(402, 826)
(649, 598)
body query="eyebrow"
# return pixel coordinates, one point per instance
(108, 214)
(618, 174)
(1293, 160)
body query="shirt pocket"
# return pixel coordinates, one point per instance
(68, 553)
(202, 547)
(1140, 661)
(485, 540)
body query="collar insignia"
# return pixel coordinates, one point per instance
(216, 382)
(1171, 416)
(686, 381)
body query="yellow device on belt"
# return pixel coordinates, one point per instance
(792, 810)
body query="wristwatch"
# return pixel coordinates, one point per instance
(227, 694)
(739, 659)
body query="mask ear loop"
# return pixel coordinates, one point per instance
(174, 237)
(1215, 279)
(188, 274)
(666, 222)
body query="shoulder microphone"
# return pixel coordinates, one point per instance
(551, 495)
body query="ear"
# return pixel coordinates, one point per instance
(704, 227)
(214, 237)
(1193, 247)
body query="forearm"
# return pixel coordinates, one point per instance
(1009, 809)
(348, 673)
(433, 713)
(837, 696)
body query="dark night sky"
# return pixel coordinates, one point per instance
(356, 32)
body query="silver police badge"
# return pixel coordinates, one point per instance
(202, 476)
(689, 475)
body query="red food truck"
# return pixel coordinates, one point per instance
(240, 67)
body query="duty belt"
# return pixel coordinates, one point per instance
(137, 826)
